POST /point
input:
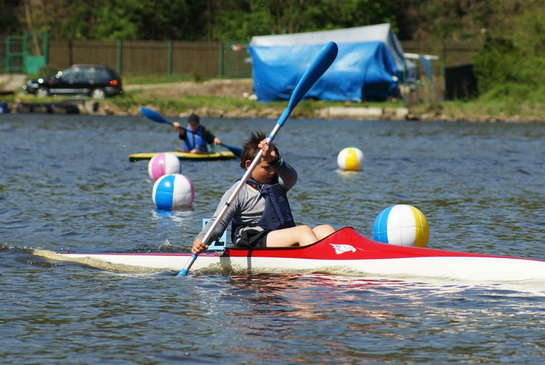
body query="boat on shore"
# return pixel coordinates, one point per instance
(196, 156)
(343, 252)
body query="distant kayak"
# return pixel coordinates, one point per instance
(198, 156)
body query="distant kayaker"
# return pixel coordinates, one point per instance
(195, 136)
(261, 214)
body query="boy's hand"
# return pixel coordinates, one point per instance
(198, 246)
(269, 151)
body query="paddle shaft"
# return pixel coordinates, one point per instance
(309, 78)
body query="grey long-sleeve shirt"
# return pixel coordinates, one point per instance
(248, 207)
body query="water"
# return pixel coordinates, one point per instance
(66, 182)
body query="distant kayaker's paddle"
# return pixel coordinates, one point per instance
(156, 117)
(320, 64)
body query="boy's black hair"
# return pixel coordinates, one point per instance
(193, 119)
(250, 149)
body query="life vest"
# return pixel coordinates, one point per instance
(277, 213)
(194, 140)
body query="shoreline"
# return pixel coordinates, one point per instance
(106, 108)
(239, 92)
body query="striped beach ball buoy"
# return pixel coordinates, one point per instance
(164, 164)
(402, 225)
(172, 192)
(350, 159)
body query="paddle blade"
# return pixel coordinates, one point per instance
(237, 151)
(318, 67)
(153, 115)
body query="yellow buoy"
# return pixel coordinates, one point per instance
(350, 159)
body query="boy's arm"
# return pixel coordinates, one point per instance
(222, 224)
(209, 137)
(179, 129)
(287, 175)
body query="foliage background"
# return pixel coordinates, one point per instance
(510, 32)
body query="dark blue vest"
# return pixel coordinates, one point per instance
(277, 213)
(194, 140)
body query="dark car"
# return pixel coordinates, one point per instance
(97, 81)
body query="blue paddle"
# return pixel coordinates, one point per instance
(156, 117)
(320, 64)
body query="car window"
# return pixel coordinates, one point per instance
(102, 73)
(88, 73)
(70, 73)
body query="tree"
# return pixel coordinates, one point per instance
(9, 19)
(511, 63)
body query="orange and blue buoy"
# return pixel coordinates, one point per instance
(402, 225)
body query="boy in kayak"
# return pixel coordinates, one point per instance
(260, 214)
(195, 136)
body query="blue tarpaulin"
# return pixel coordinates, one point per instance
(366, 68)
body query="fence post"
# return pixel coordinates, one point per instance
(8, 51)
(46, 47)
(119, 56)
(443, 73)
(169, 57)
(220, 59)
(70, 52)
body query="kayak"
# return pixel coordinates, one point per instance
(198, 156)
(343, 252)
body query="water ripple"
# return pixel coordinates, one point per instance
(67, 183)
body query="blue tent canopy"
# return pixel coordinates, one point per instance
(368, 67)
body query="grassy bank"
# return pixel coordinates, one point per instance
(173, 100)
(216, 98)
(232, 106)
(510, 110)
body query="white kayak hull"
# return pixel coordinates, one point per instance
(344, 252)
(453, 268)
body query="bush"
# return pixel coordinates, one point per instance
(495, 64)
(46, 71)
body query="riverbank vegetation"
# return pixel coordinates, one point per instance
(509, 34)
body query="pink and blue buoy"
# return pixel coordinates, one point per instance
(402, 225)
(174, 191)
(164, 164)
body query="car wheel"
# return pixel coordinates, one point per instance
(98, 93)
(42, 92)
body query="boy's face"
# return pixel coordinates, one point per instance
(193, 126)
(263, 173)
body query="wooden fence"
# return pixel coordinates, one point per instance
(213, 59)
(201, 59)
(209, 59)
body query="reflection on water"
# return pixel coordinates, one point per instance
(356, 312)
(178, 216)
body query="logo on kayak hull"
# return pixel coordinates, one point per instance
(342, 248)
